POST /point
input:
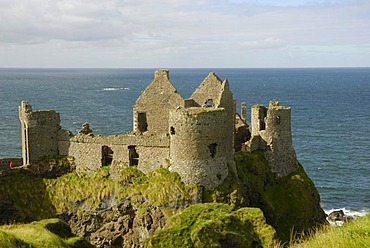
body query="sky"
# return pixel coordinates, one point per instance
(184, 33)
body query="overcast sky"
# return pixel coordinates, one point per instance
(184, 33)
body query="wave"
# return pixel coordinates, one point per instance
(115, 88)
(349, 214)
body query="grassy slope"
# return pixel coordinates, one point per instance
(46, 233)
(355, 234)
(215, 225)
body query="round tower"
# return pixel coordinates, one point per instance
(201, 145)
(278, 138)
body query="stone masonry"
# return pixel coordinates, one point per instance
(195, 137)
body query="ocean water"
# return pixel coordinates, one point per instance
(330, 113)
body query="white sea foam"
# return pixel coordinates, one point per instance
(350, 214)
(115, 88)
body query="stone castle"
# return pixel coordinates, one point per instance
(195, 137)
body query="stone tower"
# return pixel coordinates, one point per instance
(271, 131)
(202, 134)
(39, 133)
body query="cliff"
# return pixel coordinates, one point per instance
(125, 212)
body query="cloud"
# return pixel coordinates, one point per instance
(181, 28)
(267, 43)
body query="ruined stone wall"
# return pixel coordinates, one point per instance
(199, 149)
(258, 114)
(39, 133)
(209, 91)
(152, 151)
(271, 131)
(152, 108)
(227, 101)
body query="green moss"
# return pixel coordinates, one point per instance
(46, 233)
(34, 236)
(257, 105)
(163, 188)
(78, 242)
(71, 191)
(55, 226)
(29, 196)
(294, 201)
(132, 175)
(290, 203)
(207, 110)
(9, 240)
(231, 191)
(215, 225)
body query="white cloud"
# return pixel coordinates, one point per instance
(178, 29)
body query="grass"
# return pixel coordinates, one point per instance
(355, 234)
(40, 198)
(215, 225)
(47, 233)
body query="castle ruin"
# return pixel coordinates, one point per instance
(195, 137)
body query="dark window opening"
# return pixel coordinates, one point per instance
(209, 103)
(133, 156)
(172, 130)
(107, 156)
(212, 149)
(142, 123)
(262, 125)
(26, 159)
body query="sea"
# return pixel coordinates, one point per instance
(330, 113)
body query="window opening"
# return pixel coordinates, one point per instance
(212, 149)
(142, 123)
(107, 155)
(209, 103)
(262, 125)
(133, 156)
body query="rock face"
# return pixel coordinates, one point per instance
(119, 226)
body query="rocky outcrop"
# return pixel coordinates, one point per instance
(289, 203)
(118, 226)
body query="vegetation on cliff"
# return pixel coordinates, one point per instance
(215, 225)
(288, 204)
(45, 233)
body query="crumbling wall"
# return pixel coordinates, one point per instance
(152, 151)
(271, 131)
(39, 133)
(152, 108)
